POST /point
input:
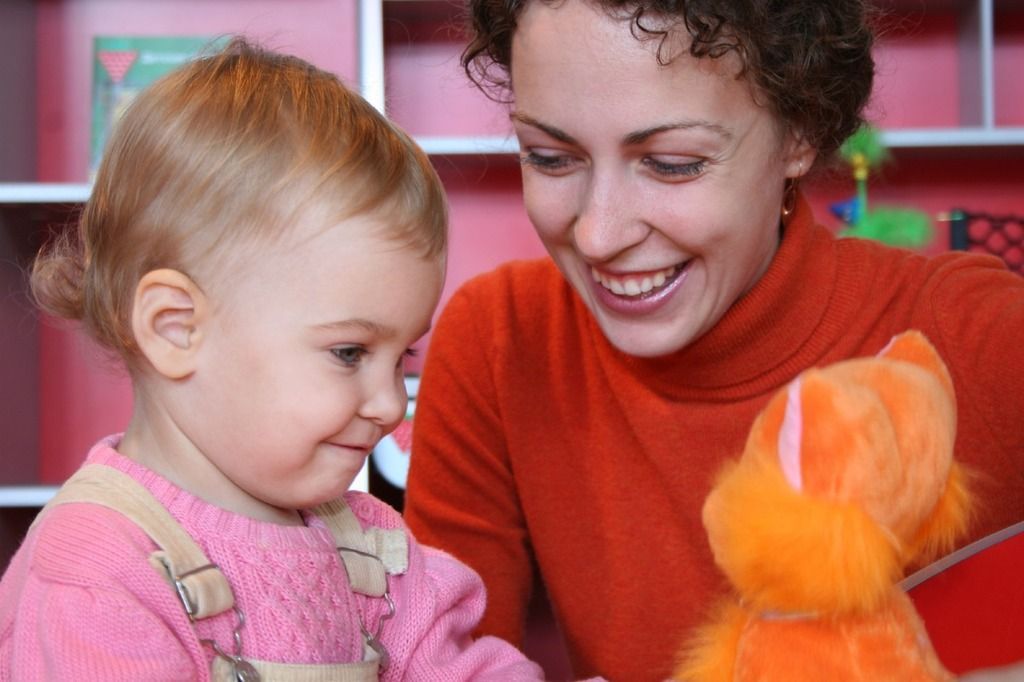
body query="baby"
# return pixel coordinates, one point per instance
(262, 248)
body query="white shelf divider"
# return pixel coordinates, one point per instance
(924, 138)
(371, 52)
(468, 145)
(25, 495)
(44, 192)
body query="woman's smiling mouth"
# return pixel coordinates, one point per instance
(638, 285)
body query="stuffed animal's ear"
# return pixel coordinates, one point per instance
(913, 347)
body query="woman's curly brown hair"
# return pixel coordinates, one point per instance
(809, 60)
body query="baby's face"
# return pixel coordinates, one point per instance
(302, 367)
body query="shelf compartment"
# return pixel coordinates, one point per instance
(54, 39)
(1008, 56)
(931, 67)
(19, 349)
(427, 92)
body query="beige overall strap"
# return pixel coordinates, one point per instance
(202, 588)
(365, 671)
(370, 555)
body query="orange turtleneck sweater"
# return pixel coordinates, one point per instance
(536, 441)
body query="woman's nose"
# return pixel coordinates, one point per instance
(608, 221)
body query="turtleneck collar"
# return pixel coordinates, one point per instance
(764, 339)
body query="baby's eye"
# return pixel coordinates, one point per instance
(350, 356)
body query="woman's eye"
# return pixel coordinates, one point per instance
(675, 170)
(546, 163)
(350, 356)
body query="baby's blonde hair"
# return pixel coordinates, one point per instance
(232, 148)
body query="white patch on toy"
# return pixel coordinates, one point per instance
(789, 437)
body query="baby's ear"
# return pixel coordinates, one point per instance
(167, 319)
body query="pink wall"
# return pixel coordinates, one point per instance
(917, 82)
(428, 92)
(1009, 61)
(322, 31)
(83, 395)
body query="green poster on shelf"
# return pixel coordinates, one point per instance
(124, 65)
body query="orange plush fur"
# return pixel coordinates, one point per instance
(846, 478)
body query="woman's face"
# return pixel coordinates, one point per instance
(655, 188)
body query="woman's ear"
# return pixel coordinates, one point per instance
(168, 319)
(799, 156)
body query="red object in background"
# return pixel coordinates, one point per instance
(1000, 235)
(972, 602)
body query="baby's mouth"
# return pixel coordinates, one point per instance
(638, 286)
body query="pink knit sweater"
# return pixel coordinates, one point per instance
(80, 600)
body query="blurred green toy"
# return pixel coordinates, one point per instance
(891, 225)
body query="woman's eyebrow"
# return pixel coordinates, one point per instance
(633, 138)
(642, 135)
(554, 132)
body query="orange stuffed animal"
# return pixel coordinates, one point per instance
(846, 478)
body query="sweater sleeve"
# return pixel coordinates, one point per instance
(461, 492)
(438, 602)
(445, 601)
(79, 593)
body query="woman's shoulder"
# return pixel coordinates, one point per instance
(936, 264)
(868, 257)
(522, 294)
(961, 301)
(538, 276)
(948, 273)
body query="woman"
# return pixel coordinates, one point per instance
(574, 411)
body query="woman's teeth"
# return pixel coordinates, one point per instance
(634, 286)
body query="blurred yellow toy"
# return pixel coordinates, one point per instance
(846, 478)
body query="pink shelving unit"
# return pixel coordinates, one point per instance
(68, 393)
(949, 97)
